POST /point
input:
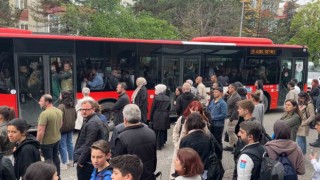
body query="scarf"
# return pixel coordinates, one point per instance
(133, 97)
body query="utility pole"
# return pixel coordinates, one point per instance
(241, 21)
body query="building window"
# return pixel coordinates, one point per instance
(21, 4)
(24, 26)
(54, 23)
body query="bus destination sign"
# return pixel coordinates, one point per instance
(263, 52)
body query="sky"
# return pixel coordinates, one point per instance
(302, 2)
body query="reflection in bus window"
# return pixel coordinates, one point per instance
(6, 78)
(226, 69)
(264, 69)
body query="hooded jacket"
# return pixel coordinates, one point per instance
(283, 144)
(27, 152)
(183, 101)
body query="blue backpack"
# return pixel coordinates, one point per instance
(289, 172)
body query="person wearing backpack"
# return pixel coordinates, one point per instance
(283, 145)
(250, 158)
(100, 154)
(245, 110)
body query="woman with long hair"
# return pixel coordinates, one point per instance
(198, 140)
(6, 114)
(140, 98)
(188, 165)
(179, 130)
(41, 170)
(307, 116)
(69, 115)
(292, 116)
(259, 88)
(27, 147)
(258, 111)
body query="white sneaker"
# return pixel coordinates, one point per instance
(63, 167)
(70, 163)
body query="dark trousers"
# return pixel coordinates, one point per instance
(217, 132)
(84, 173)
(51, 152)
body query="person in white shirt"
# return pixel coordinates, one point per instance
(313, 156)
(249, 134)
(296, 88)
(201, 91)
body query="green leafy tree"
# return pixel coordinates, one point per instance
(305, 27)
(9, 16)
(108, 18)
(196, 17)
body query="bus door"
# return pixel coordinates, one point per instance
(35, 78)
(286, 74)
(300, 66)
(176, 70)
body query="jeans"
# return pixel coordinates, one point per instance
(51, 152)
(66, 146)
(233, 138)
(84, 173)
(302, 142)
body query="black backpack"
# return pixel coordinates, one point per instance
(270, 169)
(289, 172)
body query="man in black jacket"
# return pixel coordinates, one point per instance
(88, 134)
(184, 99)
(123, 100)
(137, 139)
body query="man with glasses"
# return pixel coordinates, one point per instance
(88, 134)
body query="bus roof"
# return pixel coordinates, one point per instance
(210, 40)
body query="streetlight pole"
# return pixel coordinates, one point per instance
(241, 21)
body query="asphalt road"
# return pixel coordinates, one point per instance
(165, 155)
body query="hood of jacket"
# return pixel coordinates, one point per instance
(282, 146)
(29, 140)
(187, 96)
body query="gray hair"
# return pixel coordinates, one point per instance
(141, 81)
(186, 87)
(160, 88)
(131, 113)
(85, 91)
(189, 81)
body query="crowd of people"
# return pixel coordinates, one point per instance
(131, 152)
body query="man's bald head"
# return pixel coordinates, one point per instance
(186, 87)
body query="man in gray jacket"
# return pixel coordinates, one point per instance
(233, 115)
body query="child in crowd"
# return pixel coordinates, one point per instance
(41, 170)
(100, 154)
(126, 167)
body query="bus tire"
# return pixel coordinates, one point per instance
(106, 110)
(266, 103)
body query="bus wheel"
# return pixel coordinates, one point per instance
(265, 103)
(106, 110)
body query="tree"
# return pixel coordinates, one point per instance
(280, 31)
(305, 27)
(196, 17)
(107, 18)
(9, 16)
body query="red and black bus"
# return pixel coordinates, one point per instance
(27, 60)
